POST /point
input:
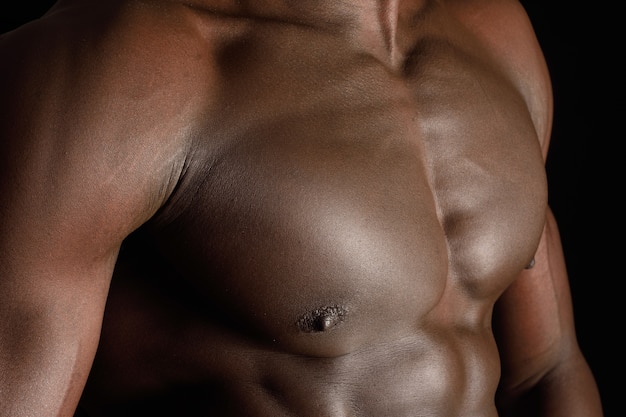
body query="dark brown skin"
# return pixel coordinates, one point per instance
(287, 207)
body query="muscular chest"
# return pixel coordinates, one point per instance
(344, 193)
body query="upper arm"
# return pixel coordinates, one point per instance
(533, 319)
(58, 246)
(60, 227)
(543, 369)
(80, 169)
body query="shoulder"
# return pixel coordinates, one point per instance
(133, 59)
(505, 29)
(104, 99)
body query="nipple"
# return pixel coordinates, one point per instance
(321, 319)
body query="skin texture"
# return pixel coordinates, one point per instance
(281, 208)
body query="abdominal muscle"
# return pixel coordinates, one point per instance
(162, 368)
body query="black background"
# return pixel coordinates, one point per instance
(584, 46)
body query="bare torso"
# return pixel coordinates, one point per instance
(345, 216)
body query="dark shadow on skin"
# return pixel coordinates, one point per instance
(175, 401)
